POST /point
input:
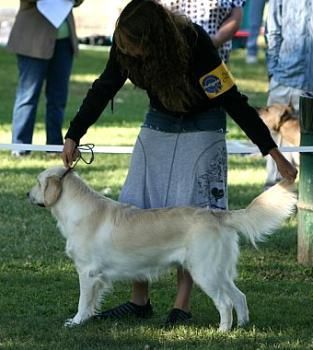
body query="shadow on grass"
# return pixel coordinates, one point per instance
(34, 317)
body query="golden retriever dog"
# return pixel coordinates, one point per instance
(281, 119)
(109, 241)
(285, 128)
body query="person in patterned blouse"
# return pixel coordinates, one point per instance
(219, 18)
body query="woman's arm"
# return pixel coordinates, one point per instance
(228, 28)
(101, 92)
(285, 168)
(218, 84)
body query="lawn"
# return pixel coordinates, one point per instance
(39, 285)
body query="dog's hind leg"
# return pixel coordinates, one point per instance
(91, 288)
(214, 289)
(240, 302)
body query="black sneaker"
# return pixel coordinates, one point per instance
(177, 317)
(125, 310)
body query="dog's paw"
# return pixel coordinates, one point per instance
(71, 322)
(243, 322)
(225, 327)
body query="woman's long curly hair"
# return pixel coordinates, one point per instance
(165, 40)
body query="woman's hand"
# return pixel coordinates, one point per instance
(70, 152)
(285, 168)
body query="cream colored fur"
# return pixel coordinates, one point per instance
(109, 241)
(281, 119)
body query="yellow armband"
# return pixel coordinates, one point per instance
(217, 82)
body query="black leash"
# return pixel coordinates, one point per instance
(86, 147)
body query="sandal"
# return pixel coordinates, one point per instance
(176, 317)
(126, 310)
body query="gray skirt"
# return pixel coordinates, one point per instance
(170, 169)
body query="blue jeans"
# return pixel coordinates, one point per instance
(211, 120)
(33, 72)
(256, 9)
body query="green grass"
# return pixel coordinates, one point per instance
(39, 284)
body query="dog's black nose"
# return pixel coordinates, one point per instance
(27, 194)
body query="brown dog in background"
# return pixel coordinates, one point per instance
(281, 119)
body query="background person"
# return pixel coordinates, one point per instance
(255, 16)
(180, 157)
(44, 54)
(220, 19)
(289, 38)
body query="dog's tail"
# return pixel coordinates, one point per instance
(265, 213)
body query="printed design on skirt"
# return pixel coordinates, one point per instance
(211, 183)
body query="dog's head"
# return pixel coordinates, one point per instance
(275, 115)
(48, 188)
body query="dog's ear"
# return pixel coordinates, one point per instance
(52, 190)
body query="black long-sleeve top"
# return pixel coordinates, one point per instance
(205, 62)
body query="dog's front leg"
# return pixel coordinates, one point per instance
(90, 292)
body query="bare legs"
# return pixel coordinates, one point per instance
(140, 292)
(184, 287)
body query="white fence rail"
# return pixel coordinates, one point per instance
(233, 147)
